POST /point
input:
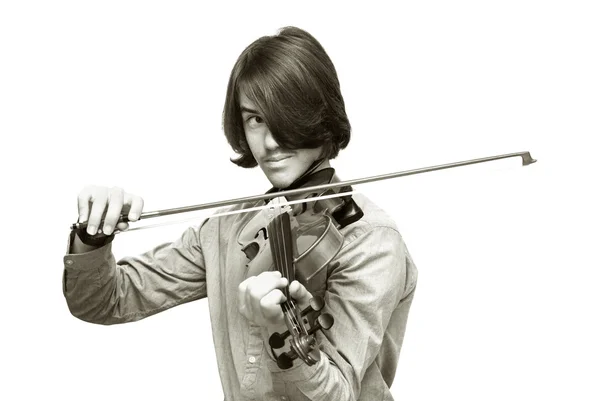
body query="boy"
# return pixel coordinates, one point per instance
(285, 113)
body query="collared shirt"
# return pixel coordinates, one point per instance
(368, 288)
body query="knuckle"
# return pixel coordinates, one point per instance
(99, 194)
(264, 303)
(116, 194)
(99, 203)
(243, 286)
(117, 190)
(85, 194)
(86, 189)
(254, 292)
(257, 292)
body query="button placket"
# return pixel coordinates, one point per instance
(253, 351)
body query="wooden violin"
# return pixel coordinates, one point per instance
(299, 242)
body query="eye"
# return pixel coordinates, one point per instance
(254, 121)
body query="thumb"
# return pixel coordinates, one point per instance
(300, 293)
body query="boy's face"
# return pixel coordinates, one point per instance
(281, 166)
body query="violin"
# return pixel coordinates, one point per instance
(299, 241)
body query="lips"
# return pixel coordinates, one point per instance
(275, 159)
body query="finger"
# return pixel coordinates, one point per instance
(262, 285)
(83, 204)
(99, 199)
(136, 205)
(115, 205)
(270, 307)
(272, 276)
(300, 293)
(122, 226)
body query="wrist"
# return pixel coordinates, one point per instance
(82, 242)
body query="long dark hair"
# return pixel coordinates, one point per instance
(293, 83)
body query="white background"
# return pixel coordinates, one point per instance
(130, 93)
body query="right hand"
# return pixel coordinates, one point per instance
(95, 203)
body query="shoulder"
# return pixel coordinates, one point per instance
(373, 248)
(375, 222)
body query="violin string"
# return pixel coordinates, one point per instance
(281, 248)
(276, 240)
(284, 229)
(281, 251)
(273, 241)
(232, 212)
(278, 235)
(290, 268)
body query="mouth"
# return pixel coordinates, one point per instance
(277, 159)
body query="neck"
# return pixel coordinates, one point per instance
(319, 165)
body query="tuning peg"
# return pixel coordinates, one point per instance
(316, 304)
(324, 321)
(277, 340)
(285, 360)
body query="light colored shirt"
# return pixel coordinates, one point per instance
(368, 288)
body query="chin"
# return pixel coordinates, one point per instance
(280, 182)
(281, 179)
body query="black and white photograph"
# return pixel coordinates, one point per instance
(300, 201)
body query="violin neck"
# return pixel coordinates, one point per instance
(282, 248)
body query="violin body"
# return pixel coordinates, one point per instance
(317, 242)
(299, 243)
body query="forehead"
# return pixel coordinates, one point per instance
(245, 102)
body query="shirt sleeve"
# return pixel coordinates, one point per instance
(367, 283)
(100, 290)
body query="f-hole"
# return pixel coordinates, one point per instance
(264, 231)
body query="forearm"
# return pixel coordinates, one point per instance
(89, 283)
(99, 290)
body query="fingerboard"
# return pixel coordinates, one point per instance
(280, 239)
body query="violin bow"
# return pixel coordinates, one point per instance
(525, 157)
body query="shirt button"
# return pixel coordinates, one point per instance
(283, 398)
(252, 359)
(69, 262)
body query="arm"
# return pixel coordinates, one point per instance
(100, 290)
(367, 282)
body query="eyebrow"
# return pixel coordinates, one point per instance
(248, 110)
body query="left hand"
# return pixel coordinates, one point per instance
(259, 298)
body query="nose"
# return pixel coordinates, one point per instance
(270, 142)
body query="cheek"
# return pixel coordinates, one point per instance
(310, 155)
(252, 143)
